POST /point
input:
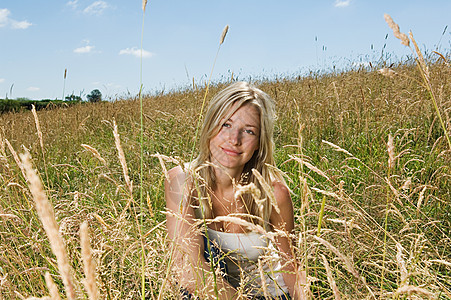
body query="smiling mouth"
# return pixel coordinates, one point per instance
(231, 152)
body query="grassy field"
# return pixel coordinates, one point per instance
(364, 154)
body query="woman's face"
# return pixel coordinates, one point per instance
(238, 138)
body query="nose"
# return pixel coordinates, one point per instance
(235, 137)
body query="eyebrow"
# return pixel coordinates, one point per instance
(246, 125)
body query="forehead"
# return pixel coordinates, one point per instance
(248, 114)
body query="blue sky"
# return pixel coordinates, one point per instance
(99, 42)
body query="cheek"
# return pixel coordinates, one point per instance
(254, 145)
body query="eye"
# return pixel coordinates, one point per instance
(227, 125)
(249, 131)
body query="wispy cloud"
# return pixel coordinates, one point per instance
(20, 25)
(73, 4)
(2, 80)
(5, 20)
(136, 52)
(4, 13)
(83, 50)
(33, 89)
(96, 8)
(342, 3)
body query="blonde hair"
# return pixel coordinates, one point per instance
(221, 108)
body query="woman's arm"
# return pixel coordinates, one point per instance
(188, 252)
(294, 278)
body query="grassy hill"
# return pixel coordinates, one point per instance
(372, 218)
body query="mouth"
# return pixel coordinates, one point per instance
(231, 152)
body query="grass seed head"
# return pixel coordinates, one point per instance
(38, 127)
(122, 159)
(391, 152)
(89, 266)
(53, 288)
(330, 278)
(95, 153)
(420, 56)
(47, 216)
(223, 35)
(395, 27)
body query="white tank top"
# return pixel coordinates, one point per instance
(242, 252)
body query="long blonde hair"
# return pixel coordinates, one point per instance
(221, 108)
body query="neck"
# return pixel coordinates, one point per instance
(225, 177)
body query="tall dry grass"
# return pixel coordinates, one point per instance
(382, 231)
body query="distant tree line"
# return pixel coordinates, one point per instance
(15, 105)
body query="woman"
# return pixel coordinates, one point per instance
(225, 207)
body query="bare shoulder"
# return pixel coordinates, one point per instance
(176, 172)
(282, 194)
(179, 174)
(283, 217)
(176, 180)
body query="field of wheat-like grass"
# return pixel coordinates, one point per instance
(364, 154)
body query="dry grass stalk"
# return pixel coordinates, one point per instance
(144, 5)
(223, 35)
(250, 188)
(391, 152)
(121, 155)
(326, 193)
(410, 289)
(310, 166)
(149, 206)
(16, 158)
(395, 192)
(161, 159)
(53, 289)
(331, 279)
(305, 204)
(446, 263)
(267, 188)
(46, 214)
(395, 27)
(2, 145)
(263, 279)
(89, 265)
(337, 148)
(101, 221)
(95, 153)
(420, 56)
(401, 265)
(421, 197)
(406, 185)
(38, 127)
(348, 264)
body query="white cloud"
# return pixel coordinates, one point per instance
(33, 89)
(2, 80)
(136, 52)
(342, 3)
(96, 8)
(73, 4)
(5, 20)
(85, 49)
(4, 13)
(20, 25)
